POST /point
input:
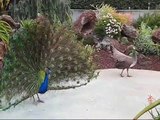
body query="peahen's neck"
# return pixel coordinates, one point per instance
(134, 56)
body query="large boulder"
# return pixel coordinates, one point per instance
(85, 24)
(129, 31)
(156, 36)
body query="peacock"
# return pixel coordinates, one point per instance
(37, 49)
(44, 86)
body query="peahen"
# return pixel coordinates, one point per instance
(124, 61)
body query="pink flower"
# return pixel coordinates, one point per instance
(151, 99)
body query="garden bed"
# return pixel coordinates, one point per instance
(105, 61)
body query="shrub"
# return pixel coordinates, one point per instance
(124, 40)
(104, 9)
(5, 31)
(151, 20)
(144, 41)
(124, 18)
(37, 45)
(4, 5)
(54, 9)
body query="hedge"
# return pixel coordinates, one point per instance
(118, 4)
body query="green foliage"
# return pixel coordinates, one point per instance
(25, 9)
(118, 4)
(4, 5)
(37, 45)
(54, 9)
(5, 31)
(151, 20)
(147, 109)
(104, 9)
(124, 40)
(144, 41)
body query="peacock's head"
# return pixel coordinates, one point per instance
(48, 72)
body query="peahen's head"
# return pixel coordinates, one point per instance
(132, 50)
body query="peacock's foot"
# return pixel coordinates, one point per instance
(40, 101)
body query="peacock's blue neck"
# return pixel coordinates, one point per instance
(46, 79)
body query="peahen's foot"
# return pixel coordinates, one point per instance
(129, 76)
(121, 75)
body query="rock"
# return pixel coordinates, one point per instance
(129, 31)
(156, 36)
(10, 21)
(85, 24)
(103, 44)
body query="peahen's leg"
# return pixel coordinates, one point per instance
(128, 73)
(39, 99)
(122, 73)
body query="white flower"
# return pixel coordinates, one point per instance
(109, 14)
(114, 20)
(108, 24)
(104, 16)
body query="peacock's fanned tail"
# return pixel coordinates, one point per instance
(37, 45)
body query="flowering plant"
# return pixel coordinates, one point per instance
(107, 26)
(153, 103)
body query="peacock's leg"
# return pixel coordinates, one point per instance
(33, 98)
(39, 100)
(122, 73)
(128, 73)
